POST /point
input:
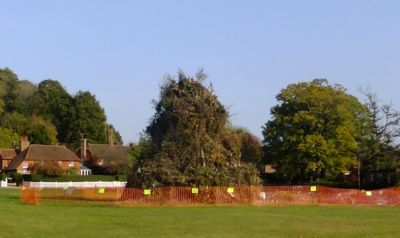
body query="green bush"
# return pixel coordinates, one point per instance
(17, 178)
(73, 178)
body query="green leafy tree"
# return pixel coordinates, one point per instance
(55, 104)
(381, 145)
(14, 121)
(7, 138)
(24, 94)
(40, 131)
(189, 143)
(21, 101)
(250, 147)
(90, 119)
(315, 132)
(116, 135)
(9, 85)
(2, 106)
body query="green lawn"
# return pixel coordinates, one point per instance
(74, 220)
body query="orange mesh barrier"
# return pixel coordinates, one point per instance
(29, 195)
(186, 196)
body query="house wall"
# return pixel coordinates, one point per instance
(23, 168)
(29, 163)
(4, 163)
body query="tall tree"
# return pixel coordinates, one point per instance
(56, 105)
(40, 131)
(314, 132)
(7, 138)
(116, 135)
(382, 142)
(24, 94)
(9, 85)
(2, 106)
(189, 140)
(90, 119)
(250, 147)
(14, 121)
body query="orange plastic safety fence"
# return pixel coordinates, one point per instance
(186, 196)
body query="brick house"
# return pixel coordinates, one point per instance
(31, 154)
(103, 158)
(6, 155)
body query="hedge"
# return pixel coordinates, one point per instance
(74, 178)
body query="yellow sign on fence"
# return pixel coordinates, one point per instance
(102, 190)
(147, 192)
(231, 190)
(313, 188)
(195, 190)
(368, 193)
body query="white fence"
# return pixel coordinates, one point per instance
(85, 184)
(3, 184)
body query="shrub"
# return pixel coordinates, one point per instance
(72, 178)
(17, 178)
(47, 168)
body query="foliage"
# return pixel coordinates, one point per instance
(17, 178)
(24, 93)
(381, 146)
(47, 168)
(73, 178)
(72, 116)
(250, 147)
(56, 105)
(7, 138)
(36, 128)
(189, 140)
(90, 120)
(314, 132)
(9, 84)
(71, 171)
(116, 135)
(40, 131)
(122, 167)
(14, 121)
(2, 106)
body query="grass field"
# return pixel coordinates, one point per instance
(74, 220)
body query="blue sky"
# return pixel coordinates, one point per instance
(121, 50)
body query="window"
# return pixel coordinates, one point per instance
(71, 163)
(59, 163)
(25, 171)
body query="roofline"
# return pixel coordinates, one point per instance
(27, 153)
(48, 145)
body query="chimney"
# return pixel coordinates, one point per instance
(24, 144)
(110, 134)
(83, 148)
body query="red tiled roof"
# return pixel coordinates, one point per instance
(110, 154)
(7, 154)
(43, 153)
